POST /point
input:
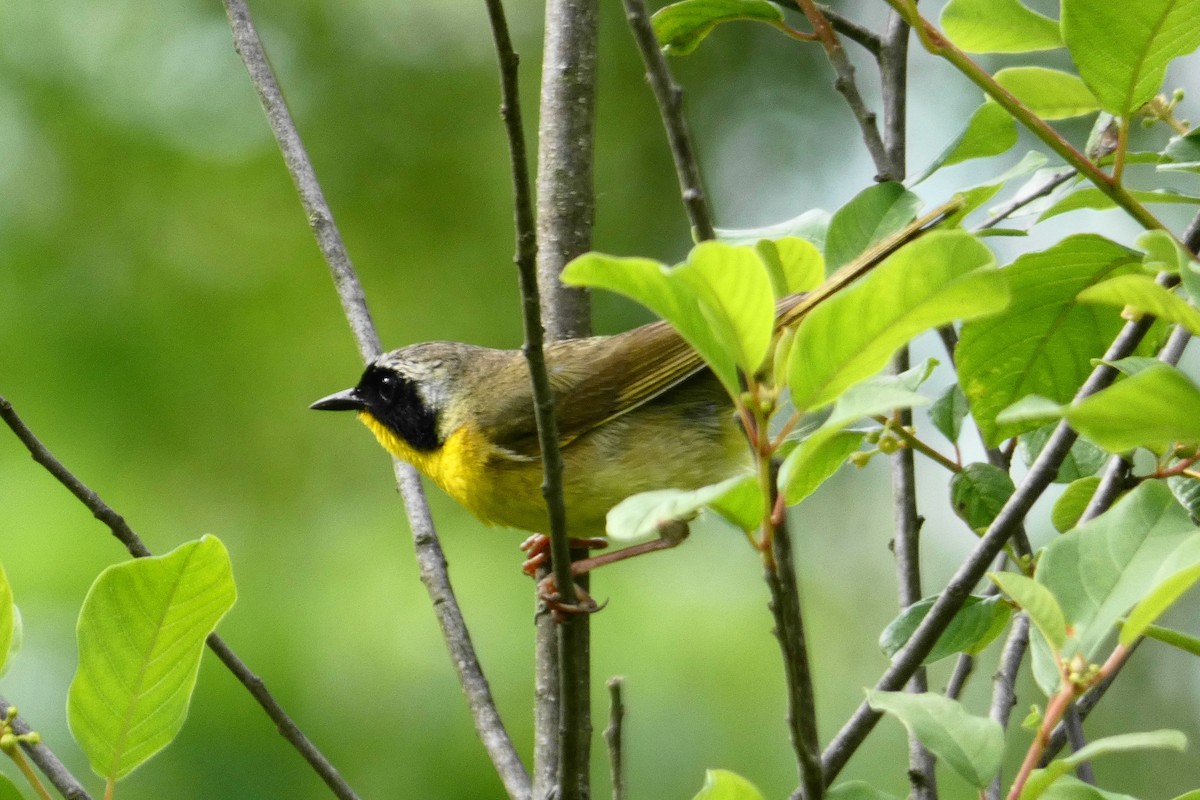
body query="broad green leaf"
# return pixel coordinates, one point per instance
(1043, 344)
(1182, 153)
(1141, 293)
(680, 27)
(721, 784)
(1164, 253)
(860, 790)
(1068, 787)
(990, 131)
(975, 196)
(1082, 460)
(941, 277)
(874, 213)
(998, 26)
(1160, 598)
(1102, 568)
(15, 642)
(1122, 49)
(1031, 409)
(1071, 504)
(948, 412)
(1049, 93)
(813, 462)
(644, 515)
(720, 301)
(974, 627)
(1091, 197)
(9, 790)
(1038, 602)
(811, 226)
(1152, 409)
(141, 632)
(1187, 492)
(794, 264)
(1186, 643)
(7, 620)
(978, 492)
(971, 746)
(820, 454)
(1040, 780)
(1192, 795)
(1132, 365)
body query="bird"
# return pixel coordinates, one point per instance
(636, 411)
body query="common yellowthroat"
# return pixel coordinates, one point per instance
(636, 411)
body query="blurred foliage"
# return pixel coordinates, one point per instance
(165, 319)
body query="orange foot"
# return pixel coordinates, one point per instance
(537, 550)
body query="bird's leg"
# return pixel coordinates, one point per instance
(670, 534)
(537, 550)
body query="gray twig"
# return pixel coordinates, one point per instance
(669, 96)
(430, 559)
(40, 754)
(1004, 696)
(845, 84)
(565, 213)
(612, 737)
(137, 548)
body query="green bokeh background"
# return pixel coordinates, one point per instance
(165, 319)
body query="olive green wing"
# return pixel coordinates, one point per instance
(594, 380)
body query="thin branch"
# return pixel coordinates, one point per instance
(1024, 198)
(669, 96)
(789, 630)
(964, 667)
(867, 38)
(1007, 523)
(893, 79)
(565, 213)
(612, 737)
(1004, 696)
(137, 548)
(430, 559)
(55, 771)
(845, 84)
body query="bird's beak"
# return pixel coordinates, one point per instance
(348, 400)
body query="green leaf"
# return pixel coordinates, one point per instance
(680, 27)
(990, 131)
(1141, 293)
(974, 627)
(975, 196)
(645, 515)
(998, 26)
(811, 226)
(948, 412)
(1132, 365)
(794, 264)
(1152, 409)
(943, 276)
(721, 784)
(1040, 780)
(1102, 568)
(978, 492)
(1182, 152)
(720, 300)
(813, 462)
(141, 632)
(859, 790)
(1032, 408)
(1071, 504)
(1043, 344)
(1164, 253)
(971, 746)
(874, 213)
(1049, 93)
(1160, 598)
(1068, 787)
(1122, 49)
(7, 620)
(1186, 643)
(1187, 492)
(1192, 795)
(1091, 197)
(1038, 602)
(9, 790)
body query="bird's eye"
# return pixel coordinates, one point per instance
(387, 388)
